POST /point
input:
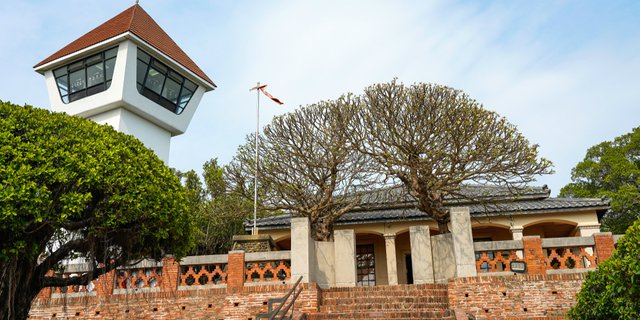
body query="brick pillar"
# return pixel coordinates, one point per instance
(533, 255)
(170, 272)
(45, 293)
(235, 270)
(105, 283)
(604, 245)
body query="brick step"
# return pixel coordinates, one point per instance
(347, 294)
(394, 288)
(371, 300)
(388, 314)
(382, 306)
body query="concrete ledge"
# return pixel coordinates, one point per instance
(73, 294)
(209, 259)
(266, 283)
(568, 242)
(498, 274)
(569, 271)
(267, 256)
(78, 268)
(498, 245)
(617, 237)
(202, 287)
(146, 263)
(136, 290)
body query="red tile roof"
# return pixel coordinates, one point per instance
(138, 22)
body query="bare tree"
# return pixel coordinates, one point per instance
(307, 166)
(434, 138)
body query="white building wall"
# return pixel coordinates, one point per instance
(152, 136)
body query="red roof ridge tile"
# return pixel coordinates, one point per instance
(138, 22)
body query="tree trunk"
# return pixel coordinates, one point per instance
(322, 230)
(443, 227)
(17, 288)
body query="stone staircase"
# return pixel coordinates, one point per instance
(422, 301)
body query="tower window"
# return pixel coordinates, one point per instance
(163, 85)
(87, 76)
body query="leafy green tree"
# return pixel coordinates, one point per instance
(611, 169)
(72, 188)
(434, 138)
(219, 213)
(613, 290)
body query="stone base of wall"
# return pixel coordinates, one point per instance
(514, 297)
(245, 304)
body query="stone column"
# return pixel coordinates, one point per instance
(588, 230)
(463, 242)
(516, 232)
(421, 256)
(345, 255)
(301, 249)
(392, 265)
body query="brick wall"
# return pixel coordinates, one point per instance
(521, 296)
(216, 303)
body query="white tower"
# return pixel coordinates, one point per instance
(130, 74)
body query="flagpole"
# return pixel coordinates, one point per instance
(255, 183)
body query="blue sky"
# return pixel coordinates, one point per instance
(565, 72)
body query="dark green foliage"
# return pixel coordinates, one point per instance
(611, 169)
(218, 213)
(613, 290)
(70, 187)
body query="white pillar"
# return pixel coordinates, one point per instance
(301, 249)
(588, 230)
(463, 242)
(345, 254)
(392, 265)
(516, 232)
(421, 256)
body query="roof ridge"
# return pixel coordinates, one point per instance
(133, 14)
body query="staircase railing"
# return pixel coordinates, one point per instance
(280, 312)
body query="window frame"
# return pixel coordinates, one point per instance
(148, 63)
(83, 65)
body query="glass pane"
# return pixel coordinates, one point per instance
(171, 90)
(155, 80)
(95, 75)
(185, 96)
(76, 66)
(143, 56)
(63, 86)
(110, 64)
(77, 80)
(175, 76)
(142, 69)
(190, 85)
(60, 72)
(93, 59)
(111, 53)
(159, 66)
(108, 84)
(65, 99)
